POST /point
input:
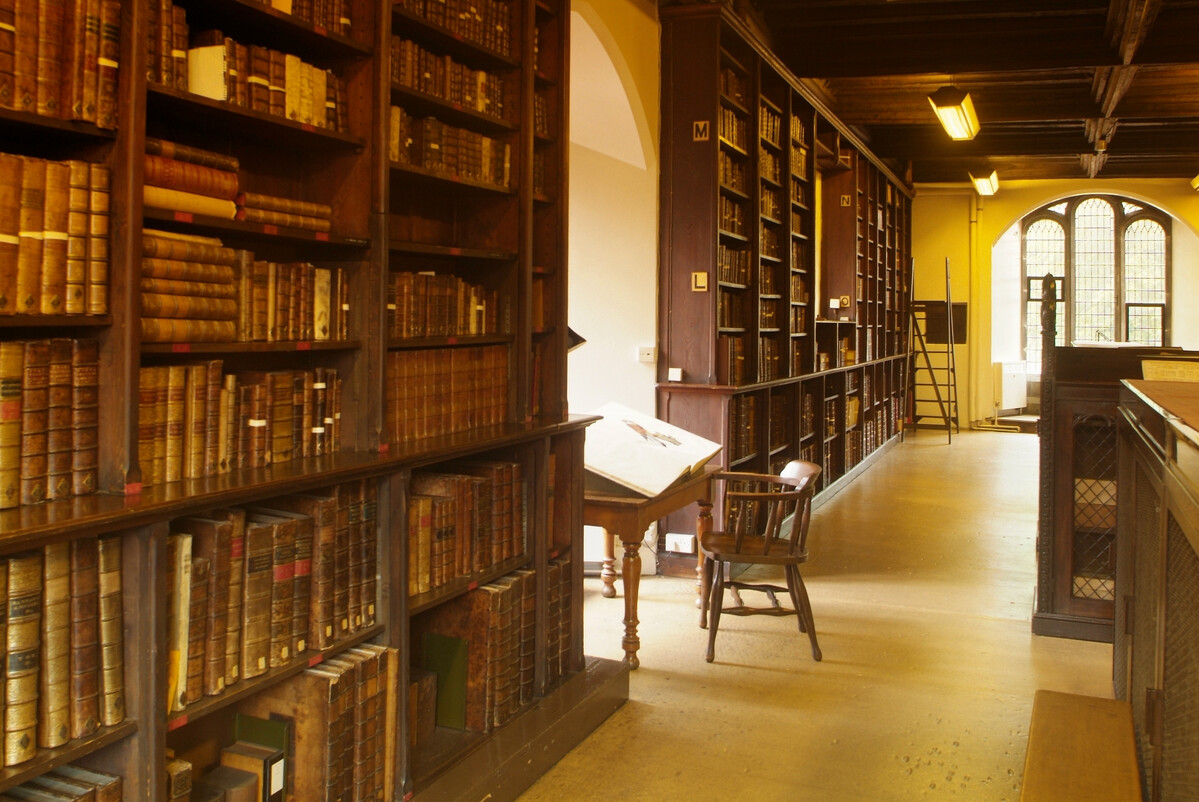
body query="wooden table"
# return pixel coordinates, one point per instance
(627, 514)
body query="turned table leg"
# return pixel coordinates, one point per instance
(607, 570)
(703, 525)
(630, 575)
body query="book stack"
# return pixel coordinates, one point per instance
(49, 394)
(251, 589)
(339, 713)
(59, 59)
(487, 23)
(186, 179)
(62, 660)
(290, 302)
(70, 784)
(473, 390)
(440, 305)
(266, 81)
(189, 292)
(255, 207)
(421, 70)
(53, 236)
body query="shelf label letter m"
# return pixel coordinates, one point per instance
(700, 130)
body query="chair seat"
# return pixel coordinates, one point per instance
(721, 546)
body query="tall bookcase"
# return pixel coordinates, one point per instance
(785, 262)
(415, 200)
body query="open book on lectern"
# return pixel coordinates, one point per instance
(642, 453)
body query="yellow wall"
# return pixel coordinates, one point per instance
(953, 222)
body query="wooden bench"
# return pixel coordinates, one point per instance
(1080, 748)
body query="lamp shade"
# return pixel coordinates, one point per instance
(985, 183)
(955, 110)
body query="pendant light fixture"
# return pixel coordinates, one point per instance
(955, 110)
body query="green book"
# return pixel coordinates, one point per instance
(445, 656)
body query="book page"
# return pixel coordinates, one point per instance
(641, 452)
(1170, 370)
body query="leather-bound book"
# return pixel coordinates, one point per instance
(59, 443)
(258, 81)
(12, 375)
(276, 83)
(370, 551)
(256, 603)
(354, 576)
(282, 417)
(371, 722)
(162, 171)
(108, 61)
(202, 250)
(466, 617)
(227, 447)
(283, 532)
(362, 669)
(176, 422)
(528, 634)
(211, 540)
(49, 57)
(320, 407)
(301, 599)
(179, 587)
(85, 414)
(164, 41)
(195, 420)
(75, 297)
(213, 380)
(10, 219)
(108, 787)
(24, 96)
(227, 784)
(23, 657)
(441, 554)
(184, 330)
(420, 535)
(191, 155)
(99, 187)
(261, 414)
(179, 779)
(341, 559)
(147, 412)
(63, 788)
(54, 239)
(112, 632)
(301, 423)
(197, 629)
(322, 509)
(74, 26)
(236, 518)
(29, 244)
(8, 44)
(85, 637)
(458, 487)
(35, 410)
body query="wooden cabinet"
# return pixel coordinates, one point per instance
(785, 261)
(443, 171)
(1157, 581)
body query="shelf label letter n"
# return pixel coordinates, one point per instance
(700, 130)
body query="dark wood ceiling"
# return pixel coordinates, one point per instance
(1063, 88)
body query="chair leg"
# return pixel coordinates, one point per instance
(716, 601)
(704, 591)
(803, 608)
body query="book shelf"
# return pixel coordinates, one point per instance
(437, 256)
(785, 261)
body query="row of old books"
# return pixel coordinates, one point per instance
(53, 236)
(63, 662)
(463, 518)
(194, 289)
(49, 419)
(188, 179)
(251, 76)
(422, 70)
(440, 305)
(448, 150)
(195, 420)
(444, 391)
(558, 623)
(59, 58)
(324, 15)
(69, 783)
(253, 588)
(485, 22)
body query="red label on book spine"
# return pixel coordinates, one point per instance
(133, 488)
(321, 236)
(184, 217)
(176, 723)
(384, 448)
(304, 567)
(181, 348)
(304, 345)
(285, 572)
(316, 658)
(451, 340)
(473, 585)
(268, 228)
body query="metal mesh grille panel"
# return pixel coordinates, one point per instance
(1180, 732)
(1094, 564)
(1144, 612)
(1145, 531)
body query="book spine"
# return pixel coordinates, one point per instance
(179, 46)
(283, 593)
(10, 224)
(75, 278)
(85, 637)
(85, 415)
(8, 33)
(166, 40)
(186, 153)
(197, 630)
(258, 79)
(58, 421)
(168, 330)
(214, 542)
(147, 411)
(107, 63)
(268, 217)
(112, 637)
(168, 248)
(277, 90)
(233, 614)
(99, 181)
(185, 275)
(179, 587)
(32, 232)
(12, 371)
(168, 173)
(176, 405)
(202, 289)
(35, 411)
(25, 21)
(188, 307)
(256, 605)
(53, 719)
(54, 239)
(49, 57)
(22, 658)
(212, 417)
(276, 204)
(195, 419)
(191, 202)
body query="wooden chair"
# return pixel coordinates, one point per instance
(765, 523)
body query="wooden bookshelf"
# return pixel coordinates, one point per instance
(496, 222)
(754, 323)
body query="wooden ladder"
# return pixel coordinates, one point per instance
(932, 368)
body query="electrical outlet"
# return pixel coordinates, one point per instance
(647, 353)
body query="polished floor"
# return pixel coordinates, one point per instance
(921, 580)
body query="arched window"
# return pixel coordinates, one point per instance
(1111, 258)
